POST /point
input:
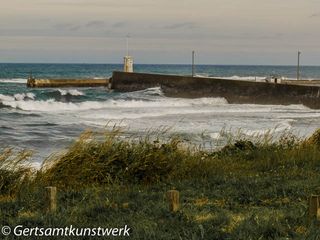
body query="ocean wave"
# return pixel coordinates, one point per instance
(101, 118)
(24, 96)
(63, 95)
(255, 78)
(52, 105)
(155, 91)
(72, 92)
(146, 94)
(17, 97)
(6, 98)
(281, 127)
(239, 78)
(14, 80)
(246, 78)
(205, 75)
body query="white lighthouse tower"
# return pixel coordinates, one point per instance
(128, 60)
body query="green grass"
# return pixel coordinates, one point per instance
(246, 190)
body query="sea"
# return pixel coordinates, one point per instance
(48, 120)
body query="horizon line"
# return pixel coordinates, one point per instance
(177, 64)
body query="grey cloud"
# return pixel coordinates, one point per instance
(67, 26)
(183, 25)
(315, 15)
(257, 36)
(97, 3)
(74, 28)
(119, 24)
(95, 24)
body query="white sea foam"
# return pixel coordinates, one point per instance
(205, 75)
(103, 122)
(235, 77)
(51, 105)
(24, 96)
(18, 101)
(73, 92)
(146, 93)
(247, 78)
(283, 126)
(13, 80)
(6, 98)
(133, 114)
(146, 107)
(255, 78)
(301, 115)
(215, 135)
(140, 108)
(151, 98)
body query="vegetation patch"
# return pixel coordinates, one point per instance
(246, 190)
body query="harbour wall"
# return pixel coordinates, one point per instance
(234, 91)
(302, 82)
(43, 83)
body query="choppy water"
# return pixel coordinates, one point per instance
(47, 120)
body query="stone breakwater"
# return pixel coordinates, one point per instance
(43, 83)
(239, 92)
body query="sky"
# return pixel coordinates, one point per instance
(161, 31)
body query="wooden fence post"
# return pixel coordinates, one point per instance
(50, 199)
(314, 204)
(173, 200)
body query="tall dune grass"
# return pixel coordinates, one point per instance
(249, 189)
(14, 169)
(96, 160)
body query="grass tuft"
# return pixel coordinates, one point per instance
(14, 170)
(250, 189)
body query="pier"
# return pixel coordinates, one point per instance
(234, 91)
(302, 82)
(306, 92)
(46, 83)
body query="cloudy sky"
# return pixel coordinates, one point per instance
(161, 31)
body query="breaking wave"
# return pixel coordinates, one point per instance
(63, 95)
(24, 96)
(72, 92)
(247, 78)
(26, 102)
(14, 80)
(283, 126)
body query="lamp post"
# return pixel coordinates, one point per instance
(298, 66)
(193, 69)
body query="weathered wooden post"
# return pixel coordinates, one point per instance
(314, 211)
(173, 200)
(50, 199)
